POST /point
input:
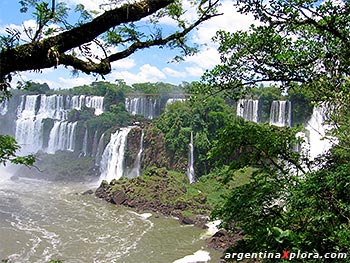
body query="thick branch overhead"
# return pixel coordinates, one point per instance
(50, 52)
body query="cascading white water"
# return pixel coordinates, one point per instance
(248, 109)
(3, 107)
(33, 109)
(145, 106)
(281, 113)
(317, 131)
(136, 170)
(173, 100)
(99, 151)
(62, 137)
(112, 162)
(28, 127)
(95, 102)
(190, 165)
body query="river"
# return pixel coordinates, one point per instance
(43, 220)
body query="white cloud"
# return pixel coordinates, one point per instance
(88, 4)
(195, 71)
(66, 83)
(174, 73)
(147, 73)
(206, 58)
(126, 63)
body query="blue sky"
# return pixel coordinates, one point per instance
(150, 65)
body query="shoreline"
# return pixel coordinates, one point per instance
(154, 196)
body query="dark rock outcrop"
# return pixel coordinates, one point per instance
(119, 197)
(222, 240)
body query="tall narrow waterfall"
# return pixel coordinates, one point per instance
(281, 113)
(99, 150)
(3, 107)
(190, 168)
(248, 109)
(317, 131)
(85, 143)
(136, 170)
(112, 162)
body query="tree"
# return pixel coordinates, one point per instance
(299, 46)
(303, 42)
(8, 148)
(118, 25)
(55, 41)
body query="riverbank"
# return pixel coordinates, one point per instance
(169, 193)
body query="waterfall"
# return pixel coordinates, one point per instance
(317, 131)
(52, 107)
(112, 162)
(71, 136)
(190, 168)
(28, 127)
(62, 137)
(145, 106)
(281, 113)
(173, 100)
(95, 102)
(85, 143)
(33, 109)
(136, 170)
(99, 150)
(3, 107)
(248, 109)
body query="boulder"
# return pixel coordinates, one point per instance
(119, 197)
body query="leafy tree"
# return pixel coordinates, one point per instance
(8, 149)
(202, 115)
(296, 42)
(57, 40)
(302, 47)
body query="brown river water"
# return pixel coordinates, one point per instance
(42, 220)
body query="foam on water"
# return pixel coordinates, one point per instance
(199, 256)
(212, 228)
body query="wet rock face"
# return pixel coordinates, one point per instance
(133, 146)
(103, 191)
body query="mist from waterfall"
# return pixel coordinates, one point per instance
(112, 164)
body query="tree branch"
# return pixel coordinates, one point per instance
(44, 53)
(104, 66)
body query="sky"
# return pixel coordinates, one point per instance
(149, 65)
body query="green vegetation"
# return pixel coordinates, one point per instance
(171, 189)
(289, 204)
(203, 116)
(8, 149)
